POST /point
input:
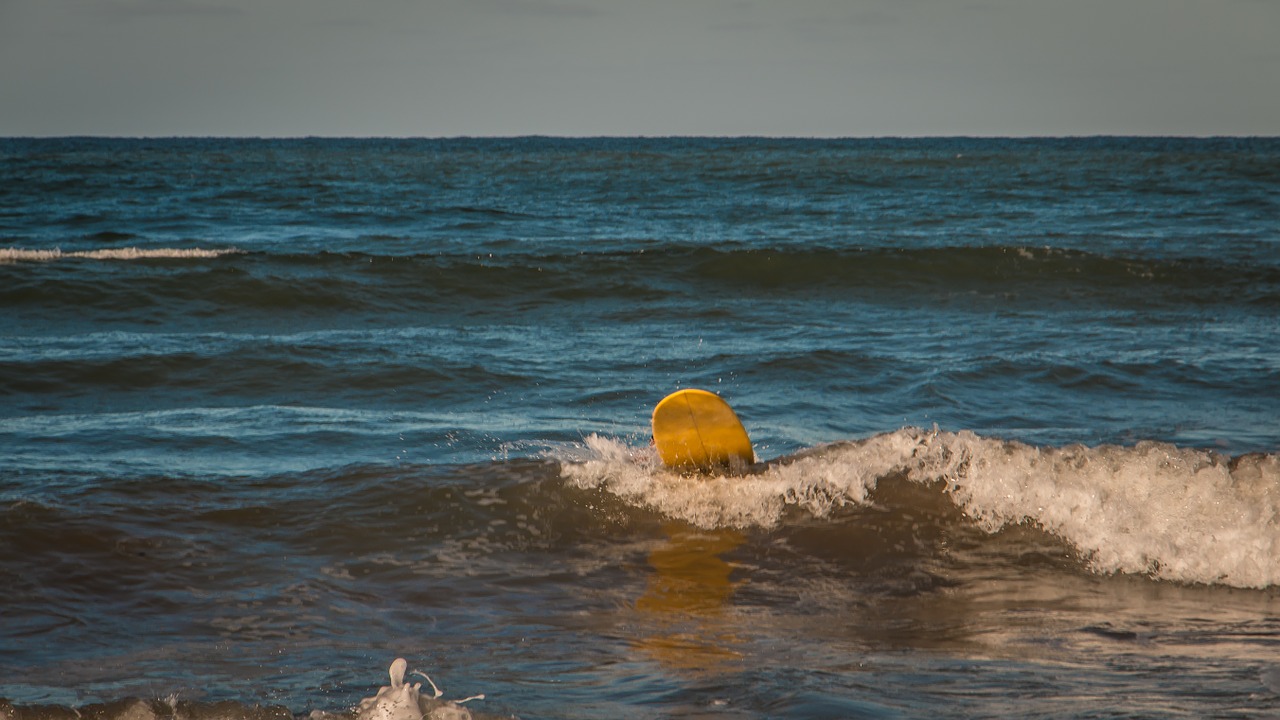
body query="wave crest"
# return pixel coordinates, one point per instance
(1171, 513)
(17, 255)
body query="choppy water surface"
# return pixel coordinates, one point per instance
(274, 413)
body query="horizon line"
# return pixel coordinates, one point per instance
(550, 136)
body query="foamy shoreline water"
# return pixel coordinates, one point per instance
(403, 699)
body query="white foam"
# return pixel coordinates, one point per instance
(1156, 509)
(403, 701)
(1173, 513)
(813, 483)
(17, 255)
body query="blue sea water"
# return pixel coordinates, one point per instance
(276, 412)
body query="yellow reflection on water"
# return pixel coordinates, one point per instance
(686, 596)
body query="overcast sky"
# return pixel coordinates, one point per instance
(639, 67)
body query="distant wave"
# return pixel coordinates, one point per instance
(17, 255)
(1005, 278)
(847, 271)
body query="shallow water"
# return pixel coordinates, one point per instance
(278, 412)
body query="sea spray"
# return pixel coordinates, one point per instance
(402, 700)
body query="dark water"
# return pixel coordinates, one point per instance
(274, 413)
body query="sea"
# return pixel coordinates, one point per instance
(275, 413)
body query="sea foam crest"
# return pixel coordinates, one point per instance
(812, 482)
(1172, 513)
(17, 255)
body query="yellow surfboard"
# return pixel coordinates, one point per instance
(696, 430)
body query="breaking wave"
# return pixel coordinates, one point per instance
(18, 255)
(1154, 509)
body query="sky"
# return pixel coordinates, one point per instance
(824, 68)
